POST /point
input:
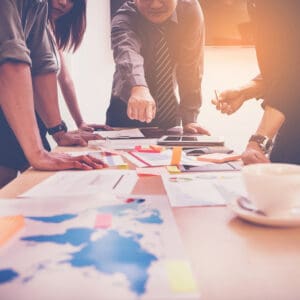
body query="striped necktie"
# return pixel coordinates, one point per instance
(166, 102)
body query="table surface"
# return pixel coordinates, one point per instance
(231, 259)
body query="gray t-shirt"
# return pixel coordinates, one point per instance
(23, 36)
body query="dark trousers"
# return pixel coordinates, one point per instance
(11, 153)
(287, 144)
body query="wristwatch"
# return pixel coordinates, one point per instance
(264, 142)
(60, 127)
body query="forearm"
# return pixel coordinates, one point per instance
(271, 122)
(126, 45)
(252, 89)
(190, 69)
(17, 104)
(46, 99)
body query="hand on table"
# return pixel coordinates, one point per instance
(195, 128)
(75, 138)
(253, 155)
(92, 127)
(53, 161)
(141, 106)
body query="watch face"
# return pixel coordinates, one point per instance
(264, 142)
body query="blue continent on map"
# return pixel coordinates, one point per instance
(110, 254)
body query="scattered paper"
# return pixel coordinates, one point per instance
(151, 171)
(122, 134)
(203, 189)
(128, 144)
(164, 158)
(83, 183)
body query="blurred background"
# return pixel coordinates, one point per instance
(227, 21)
(229, 61)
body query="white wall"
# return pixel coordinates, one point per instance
(92, 65)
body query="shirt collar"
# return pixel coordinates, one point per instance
(173, 17)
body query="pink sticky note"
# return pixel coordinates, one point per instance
(103, 221)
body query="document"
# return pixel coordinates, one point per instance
(84, 183)
(122, 134)
(112, 159)
(164, 158)
(203, 189)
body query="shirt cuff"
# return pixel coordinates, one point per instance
(43, 65)
(125, 89)
(189, 117)
(15, 50)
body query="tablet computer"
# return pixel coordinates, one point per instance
(228, 166)
(190, 140)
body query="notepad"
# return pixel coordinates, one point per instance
(219, 157)
(9, 226)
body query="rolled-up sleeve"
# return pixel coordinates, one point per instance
(41, 52)
(126, 45)
(12, 40)
(190, 67)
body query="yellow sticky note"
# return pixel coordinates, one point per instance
(180, 276)
(9, 226)
(123, 167)
(176, 156)
(173, 169)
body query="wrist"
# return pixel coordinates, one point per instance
(138, 89)
(58, 136)
(264, 143)
(251, 90)
(59, 128)
(34, 156)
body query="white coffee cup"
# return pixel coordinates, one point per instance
(273, 188)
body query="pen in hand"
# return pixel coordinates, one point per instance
(217, 97)
(217, 101)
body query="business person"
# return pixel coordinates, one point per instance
(157, 44)
(28, 83)
(277, 39)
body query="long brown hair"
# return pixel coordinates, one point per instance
(69, 29)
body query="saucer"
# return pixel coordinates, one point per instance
(286, 220)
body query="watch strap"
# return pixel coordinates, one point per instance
(264, 142)
(60, 127)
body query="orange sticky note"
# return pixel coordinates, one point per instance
(103, 221)
(176, 156)
(9, 226)
(158, 148)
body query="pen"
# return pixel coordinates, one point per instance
(216, 94)
(118, 181)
